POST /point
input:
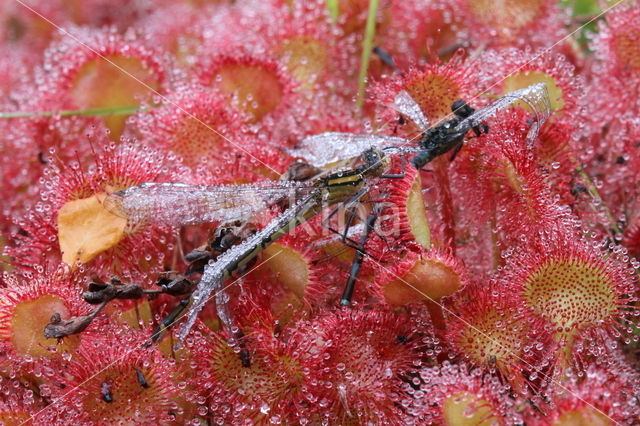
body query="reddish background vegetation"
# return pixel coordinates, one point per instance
(507, 293)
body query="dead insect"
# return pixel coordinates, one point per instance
(105, 392)
(141, 380)
(443, 136)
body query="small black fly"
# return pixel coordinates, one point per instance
(448, 136)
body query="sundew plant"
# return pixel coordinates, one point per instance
(174, 251)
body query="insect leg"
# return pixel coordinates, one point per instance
(173, 317)
(226, 318)
(347, 204)
(456, 150)
(349, 287)
(400, 175)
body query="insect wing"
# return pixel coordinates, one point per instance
(176, 204)
(406, 105)
(535, 96)
(330, 147)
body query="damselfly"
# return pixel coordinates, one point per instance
(178, 204)
(443, 136)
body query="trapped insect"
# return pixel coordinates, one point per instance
(178, 204)
(443, 136)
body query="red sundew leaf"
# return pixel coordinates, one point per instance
(631, 240)
(434, 87)
(421, 31)
(128, 79)
(556, 152)
(194, 123)
(453, 392)
(364, 355)
(29, 30)
(177, 28)
(18, 402)
(404, 220)
(487, 329)
(508, 69)
(618, 41)
(26, 306)
(304, 263)
(520, 201)
(289, 266)
(420, 276)
(260, 87)
(579, 400)
(537, 23)
(99, 69)
(583, 294)
(352, 17)
(304, 40)
(273, 387)
(124, 381)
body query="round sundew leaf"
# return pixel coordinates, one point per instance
(525, 79)
(268, 379)
(266, 172)
(426, 280)
(627, 49)
(462, 409)
(290, 267)
(193, 137)
(286, 305)
(15, 417)
(29, 320)
(86, 229)
(306, 59)
(130, 402)
(571, 293)
(4, 260)
(513, 14)
(491, 335)
(133, 314)
(417, 214)
(336, 249)
(258, 90)
(102, 83)
(434, 93)
(583, 416)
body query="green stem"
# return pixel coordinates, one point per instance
(334, 9)
(367, 46)
(93, 112)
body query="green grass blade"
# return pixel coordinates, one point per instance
(334, 9)
(92, 112)
(367, 46)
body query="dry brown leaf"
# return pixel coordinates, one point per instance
(86, 229)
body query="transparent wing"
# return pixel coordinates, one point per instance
(176, 204)
(326, 148)
(535, 96)
(406, 105)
